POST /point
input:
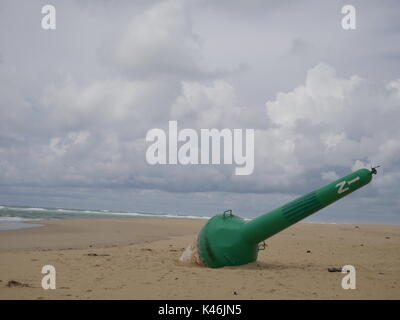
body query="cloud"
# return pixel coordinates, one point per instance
(331, 175)
(394, 86)
(206, 105)
(320, 101)
(75, 112)
(114, 104)
(160, 41)
(311, 133)
(337, 123)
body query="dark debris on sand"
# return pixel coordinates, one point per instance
(13, 283)
(334, 269)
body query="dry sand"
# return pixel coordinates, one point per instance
(138, 259)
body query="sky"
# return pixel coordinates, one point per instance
(77, 102)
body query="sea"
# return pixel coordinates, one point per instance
(20, 217)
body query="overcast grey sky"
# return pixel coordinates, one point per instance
(76, 103)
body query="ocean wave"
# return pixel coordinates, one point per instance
(156, 215)
(17, 219)
(93, 211)
(9, 208)
(30, 213)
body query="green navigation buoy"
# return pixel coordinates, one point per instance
(228, 240)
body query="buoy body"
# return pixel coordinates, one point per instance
(228, 240)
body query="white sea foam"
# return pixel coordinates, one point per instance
(17, 219)
(27, 209)
(191, 254)
(156, 215)
(54, 213)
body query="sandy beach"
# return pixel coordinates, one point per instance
(138, 259)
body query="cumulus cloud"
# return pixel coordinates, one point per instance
(320, 101)
(105, 104)
(160, 41)
(335, 122)
(207, 105)
(310, 132)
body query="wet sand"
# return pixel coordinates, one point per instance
(138, 259)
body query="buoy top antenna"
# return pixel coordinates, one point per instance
(373, 170)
